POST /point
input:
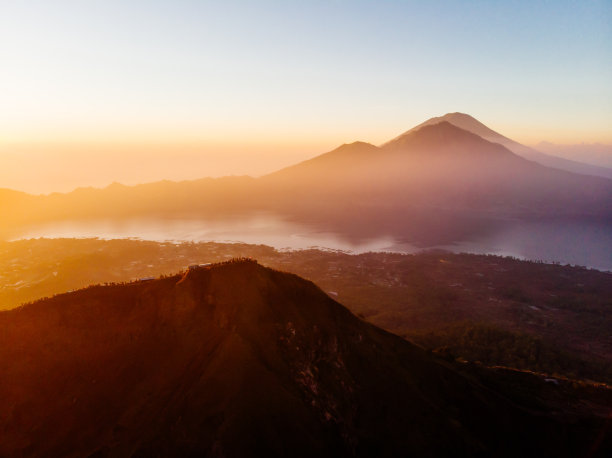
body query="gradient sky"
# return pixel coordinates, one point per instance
(265, 83)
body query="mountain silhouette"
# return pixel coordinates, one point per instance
(467, 122)
(433, 185)
(440, 165)
(240, 360)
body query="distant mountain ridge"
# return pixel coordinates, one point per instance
(596, 154)
(239, 360)
(435, 176)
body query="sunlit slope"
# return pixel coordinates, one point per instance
(239, 360)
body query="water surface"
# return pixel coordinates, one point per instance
(566, 242)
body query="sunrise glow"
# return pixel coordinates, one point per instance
(288, 80)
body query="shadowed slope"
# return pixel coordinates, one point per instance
(239, 360)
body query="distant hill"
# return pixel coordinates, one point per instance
(597, 154)
(467, 122)
(210, 197)
(240, 360)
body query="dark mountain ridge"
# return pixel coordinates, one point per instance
(239, 360)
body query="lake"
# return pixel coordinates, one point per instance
(566, 242)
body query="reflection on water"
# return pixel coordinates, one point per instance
(259, 229)
(579, 243)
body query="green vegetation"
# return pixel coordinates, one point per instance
(494, 346)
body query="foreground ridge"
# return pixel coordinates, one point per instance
(236, 359)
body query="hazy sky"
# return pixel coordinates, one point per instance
(286, 79)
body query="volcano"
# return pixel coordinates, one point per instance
(237, 359)
(471, 124)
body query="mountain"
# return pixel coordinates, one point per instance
(467, 122)
(443, 166)
(431, 186)
(239, 360)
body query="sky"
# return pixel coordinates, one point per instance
(100, 91)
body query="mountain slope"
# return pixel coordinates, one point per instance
(239, 360)
(445, 167)
(345, 159)
(467, 122)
